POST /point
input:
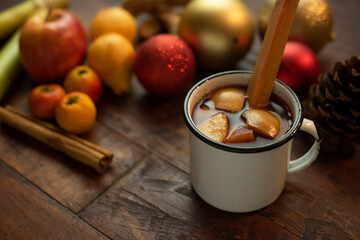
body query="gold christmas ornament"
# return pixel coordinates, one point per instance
(220, 32)
(312, 23)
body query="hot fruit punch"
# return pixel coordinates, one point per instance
(225, 116)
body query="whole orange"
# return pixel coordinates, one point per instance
(114, 19)
(76, 113)
(84, 79)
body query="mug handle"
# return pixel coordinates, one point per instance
(310, 156)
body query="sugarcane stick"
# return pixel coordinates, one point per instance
(10, 65)
(13, 17)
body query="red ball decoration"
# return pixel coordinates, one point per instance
(299, 68)
(164, 65)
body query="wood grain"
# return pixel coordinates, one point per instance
(146, 194)
(156, 201)
(28, 213)
(71, 183)
(156, 124)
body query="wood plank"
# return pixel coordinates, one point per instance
(156, 124)
(321, 201)
(156, 201)
(71, 183)
(28, 213)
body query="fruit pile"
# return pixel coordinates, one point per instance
(53, 49)
(53, 46)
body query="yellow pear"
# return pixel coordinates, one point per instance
(112, 56)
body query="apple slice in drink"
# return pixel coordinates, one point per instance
(215, 127)
(229, 99)
(262, 122)
(242, 134)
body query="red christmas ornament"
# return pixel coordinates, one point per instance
(299, 68)
(164, 65)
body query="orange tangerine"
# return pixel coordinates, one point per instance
(84, 79)
(114, 19)
(76, 113)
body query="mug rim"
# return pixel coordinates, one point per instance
(238, 149)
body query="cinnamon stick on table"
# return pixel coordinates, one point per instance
(272, 49)
(78, 148)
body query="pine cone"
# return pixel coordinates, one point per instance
(334, 104)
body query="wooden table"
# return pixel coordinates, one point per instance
(146, 193)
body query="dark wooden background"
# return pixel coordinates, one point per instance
(146, 193)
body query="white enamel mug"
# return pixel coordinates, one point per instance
(243, 179)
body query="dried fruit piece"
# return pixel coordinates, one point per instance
(229, 99)
(262, 122)
(241, 135)
(215, 127)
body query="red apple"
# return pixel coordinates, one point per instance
(51, 44)
(43, 100)
(84, 79)
(164, 65)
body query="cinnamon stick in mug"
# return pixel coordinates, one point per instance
(272, 48)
